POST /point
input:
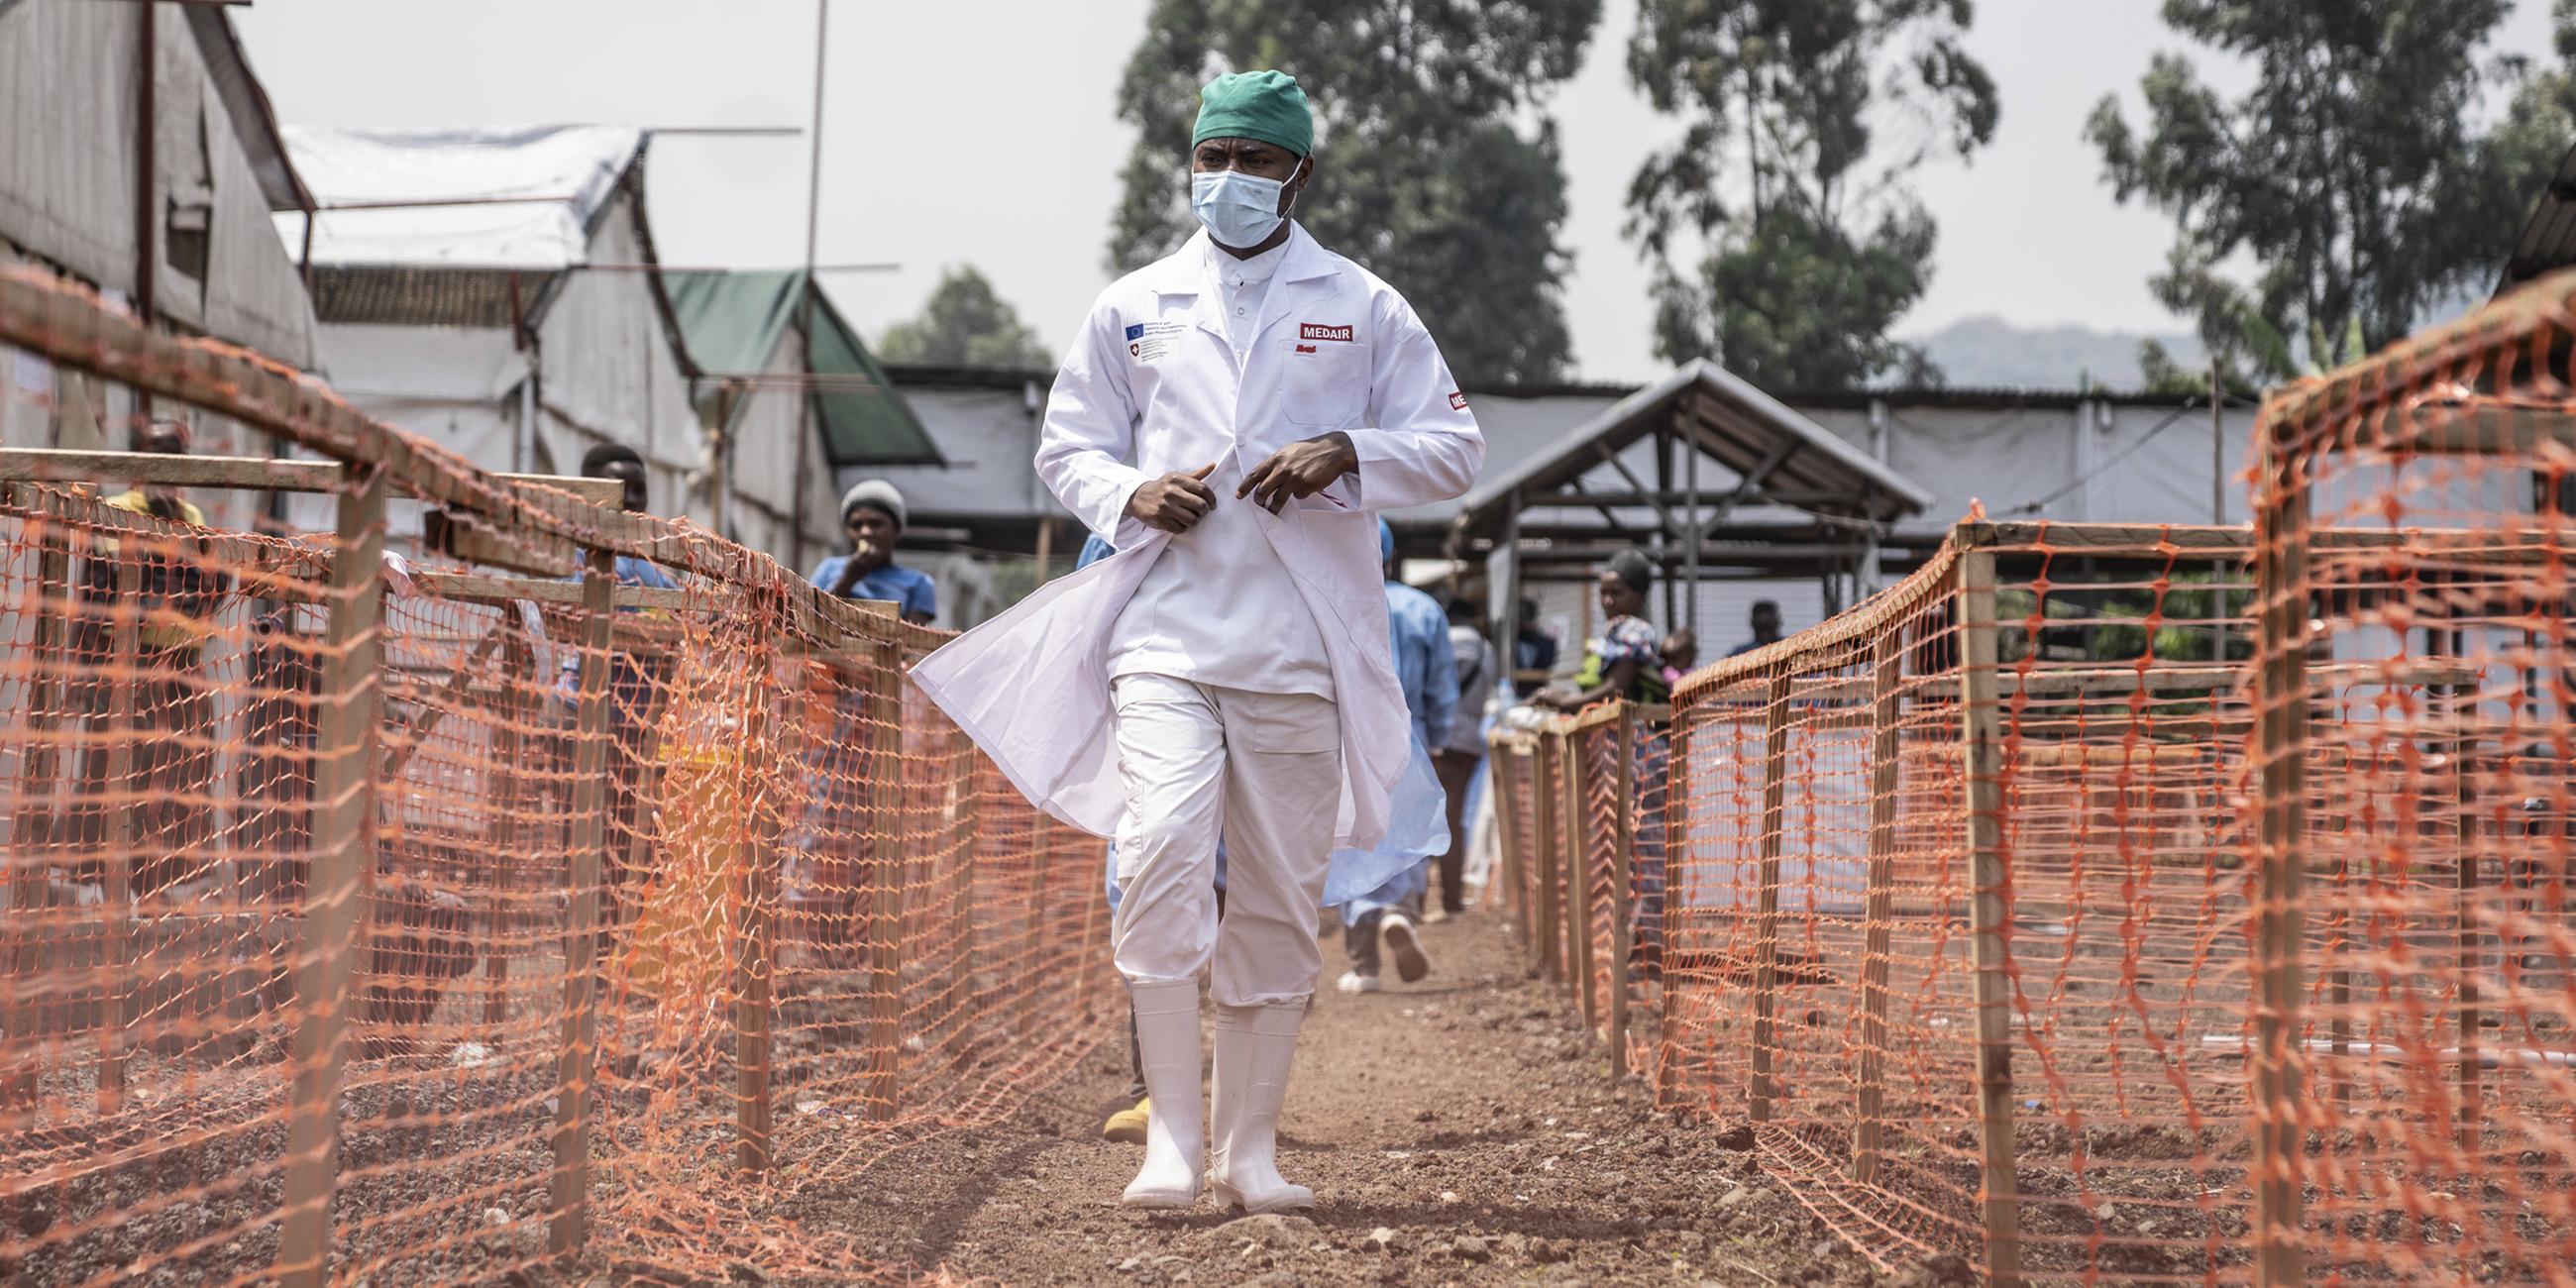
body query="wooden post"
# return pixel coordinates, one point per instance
(2471, 957)
(342, 872)
(958, 816)
(1766, 925)
(885, 869)
(1676, 842)
(1990, 909)
(755, 946)
(586, 866)
(1545, 854)
(2281, 739)
(1578, 887)
(1885, 781)
(512, 792)
(119, 798)
(1623, 839)
(33, 828)
(1502, 776)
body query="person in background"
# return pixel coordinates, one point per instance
(872, 513)
(1681, 653)
(1457, 758)
(1766, 628)
(174, 767)
(1418, 632)
(1532, 649)
(1623, 661)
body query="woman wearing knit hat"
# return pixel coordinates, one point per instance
(872, 513)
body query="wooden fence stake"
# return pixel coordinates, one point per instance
(119, 799)
(568, 1207)
(1885, 761)
(2457, 706)
(1676, 848)
(1504, 785)
(1623, 863)
(1990, 909)
(885, 869)
(1766, 925)
(756, 857)
(1544, 770)
(2281, 733)
(342, 871)
(1578, 885)
(33, 829)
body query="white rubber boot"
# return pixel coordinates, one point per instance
(1254, 1046)
(1167, 1037)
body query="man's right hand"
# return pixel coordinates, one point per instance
(1175, 502)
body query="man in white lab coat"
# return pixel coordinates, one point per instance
(1230, 418)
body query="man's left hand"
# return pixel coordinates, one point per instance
(1299, 470)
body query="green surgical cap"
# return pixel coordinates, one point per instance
(1256, 105)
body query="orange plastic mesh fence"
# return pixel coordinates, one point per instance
(413, 921)
(2411, 853)
(1957, 917)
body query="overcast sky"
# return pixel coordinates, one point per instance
(986, 132)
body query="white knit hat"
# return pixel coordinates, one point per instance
(877, 493)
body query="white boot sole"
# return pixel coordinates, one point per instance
(1296, 1198)
(1158, 1200)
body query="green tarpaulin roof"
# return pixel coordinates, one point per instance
(732, 323)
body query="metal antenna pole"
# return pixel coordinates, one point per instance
(813, 225)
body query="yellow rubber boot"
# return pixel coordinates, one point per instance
(1127, 1126)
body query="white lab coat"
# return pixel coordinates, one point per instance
(1151, 386)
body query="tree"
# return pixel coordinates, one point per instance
(1810, 245)
(964, 324)
(2354, 173)
(1424, 174)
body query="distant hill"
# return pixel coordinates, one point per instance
(1991, 353)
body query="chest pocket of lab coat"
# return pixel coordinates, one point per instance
(1327, 388)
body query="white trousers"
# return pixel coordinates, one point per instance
(1264, 770)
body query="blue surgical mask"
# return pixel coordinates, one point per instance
(1239, 209)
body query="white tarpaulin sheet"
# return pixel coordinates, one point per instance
(553, 179)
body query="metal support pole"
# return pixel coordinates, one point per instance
(813, 228)
(1690, 543)
(342, 870)
(2217, 448)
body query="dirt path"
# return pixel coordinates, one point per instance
(1455, 1131)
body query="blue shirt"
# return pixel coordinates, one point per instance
(912, 591)
(1418, 631)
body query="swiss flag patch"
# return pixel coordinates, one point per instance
(1457, 400)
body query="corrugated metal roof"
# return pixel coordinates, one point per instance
(472, 198)
(731, 323)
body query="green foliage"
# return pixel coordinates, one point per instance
(964, 324)
(1813, 247)
(1424, 174)
(2354, 172)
